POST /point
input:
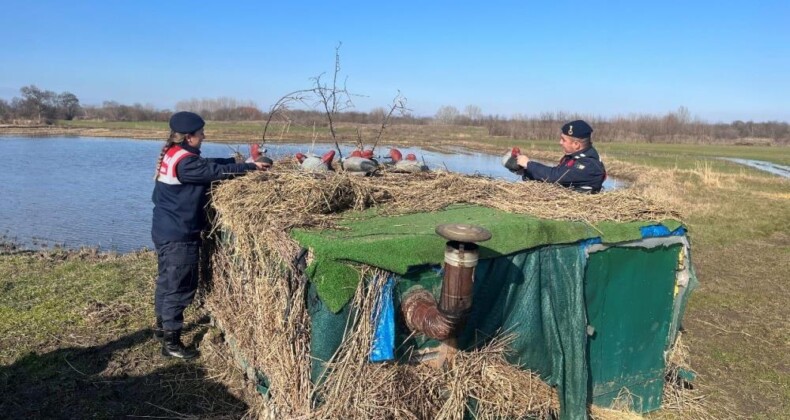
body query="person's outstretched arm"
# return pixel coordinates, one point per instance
(196, 170)
(580, 173)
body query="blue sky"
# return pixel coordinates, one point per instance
(722, 60)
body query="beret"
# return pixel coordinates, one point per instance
(577, 129)
(186, 122)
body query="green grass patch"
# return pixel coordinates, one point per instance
(45, 298)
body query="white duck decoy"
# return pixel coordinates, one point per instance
(313, 163)
(360, 163)
(410, 164)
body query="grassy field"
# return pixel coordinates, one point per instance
(74, 333)
(221, 131)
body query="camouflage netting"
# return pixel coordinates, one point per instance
(258, 294)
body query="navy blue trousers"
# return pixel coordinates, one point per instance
(179, 266)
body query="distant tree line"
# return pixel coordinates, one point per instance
(41, 106)
(228, 109)
(44, 107)
(222, 109)
(674, 127)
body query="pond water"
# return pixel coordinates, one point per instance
(96, 192)
(774, 168)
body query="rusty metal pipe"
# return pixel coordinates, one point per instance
(422, 315)
(445, 319)
(455, 302)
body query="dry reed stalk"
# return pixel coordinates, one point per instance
(601, 413)
(677, 398)
(499, 389)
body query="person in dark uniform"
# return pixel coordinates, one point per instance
(581, 169)
(183, 178)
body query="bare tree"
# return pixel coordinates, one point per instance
(6, 111)
(474, 113)
(222, 108)
(38, 103)
(280, 108)
(447, 114)
(68, 105)
(377, 114)
(333, 99)
(399, 105)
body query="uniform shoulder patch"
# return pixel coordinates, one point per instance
(579, 166)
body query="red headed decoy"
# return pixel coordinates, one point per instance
(410, 164)
(510, 159)
(312, 163)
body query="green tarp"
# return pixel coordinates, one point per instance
(400, 243)
(629, 295)
(537, 296)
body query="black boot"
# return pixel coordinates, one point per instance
(173, 347)
(159, 330)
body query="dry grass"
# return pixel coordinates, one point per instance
(501, 390)
(621, 408)
(284, 199)
(261, 305)
(710, 178)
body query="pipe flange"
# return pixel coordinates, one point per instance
(463, 233)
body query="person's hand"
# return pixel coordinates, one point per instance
(262, 166)
(522, 160)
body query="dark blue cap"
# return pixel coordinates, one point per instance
(186, 122)
(577, 129)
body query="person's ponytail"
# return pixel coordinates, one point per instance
(175, 138)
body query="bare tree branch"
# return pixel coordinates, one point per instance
(281, 106)
(330, 98)
(398, 104)
(360, 143)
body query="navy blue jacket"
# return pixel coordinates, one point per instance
(179, 210)
(582, 171)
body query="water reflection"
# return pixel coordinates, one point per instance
(97, 191)
(774, 168)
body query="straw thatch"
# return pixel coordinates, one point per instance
(258, 293)
(280, 200)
